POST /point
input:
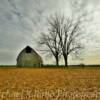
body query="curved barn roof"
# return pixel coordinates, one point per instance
(29, 49)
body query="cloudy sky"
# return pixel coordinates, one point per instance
(22, 21)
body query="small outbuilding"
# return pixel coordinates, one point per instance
(29, 57)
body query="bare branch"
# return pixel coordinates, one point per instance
(62, 37)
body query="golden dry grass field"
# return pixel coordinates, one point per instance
(49, 84)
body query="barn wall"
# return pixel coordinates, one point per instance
(29, 59)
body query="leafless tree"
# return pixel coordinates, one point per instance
(67, 31)
(50, 44)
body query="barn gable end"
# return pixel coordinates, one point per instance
(29, 57)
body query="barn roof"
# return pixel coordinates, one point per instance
(28, 47)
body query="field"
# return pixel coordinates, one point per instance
(49, 84)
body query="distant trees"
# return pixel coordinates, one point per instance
(62, 37)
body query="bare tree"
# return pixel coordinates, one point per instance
(50, 44)
(67, 31)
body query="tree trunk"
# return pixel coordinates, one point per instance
(57, 61)
(66, 61)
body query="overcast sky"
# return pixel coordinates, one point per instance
(22, 21)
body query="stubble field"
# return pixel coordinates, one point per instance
(49, 84)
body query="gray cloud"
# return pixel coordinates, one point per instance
(21, 22)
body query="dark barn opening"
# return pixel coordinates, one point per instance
(28, 50)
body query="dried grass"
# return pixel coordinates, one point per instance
(49, 84)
